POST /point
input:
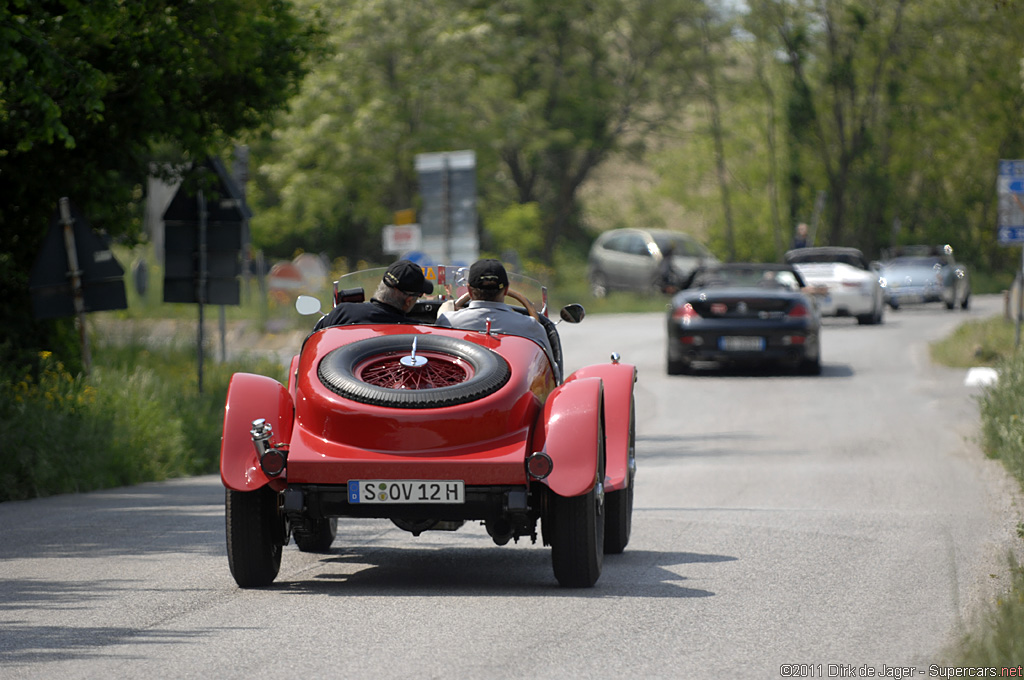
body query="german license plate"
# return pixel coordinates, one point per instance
(406, 491)
(741, 343)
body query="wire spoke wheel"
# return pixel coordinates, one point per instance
(388, 371)
(440, 370)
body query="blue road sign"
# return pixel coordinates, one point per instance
(1010, 187)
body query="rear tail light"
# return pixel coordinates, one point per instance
(539, 465)
(685, 314)
(798, 311)
(273, 457)
(273, 462)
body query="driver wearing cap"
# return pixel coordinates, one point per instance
(401, 286)
(488, 282)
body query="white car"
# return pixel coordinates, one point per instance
(843, 282)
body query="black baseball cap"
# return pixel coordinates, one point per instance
(408, 277)
(488, 274)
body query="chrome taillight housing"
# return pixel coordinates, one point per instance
(273, 457)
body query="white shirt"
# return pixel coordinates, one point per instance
(503, 318)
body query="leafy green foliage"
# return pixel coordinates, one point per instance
(88, 90)
(976, 343)
(138, 417)
(997, 639)
(342, 160)
(895, 114)
(1002, 418)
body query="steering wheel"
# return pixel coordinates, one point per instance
(516, 295)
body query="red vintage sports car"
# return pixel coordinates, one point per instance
(430, 428)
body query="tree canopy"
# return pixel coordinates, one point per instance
(878, 121)
(90, 91)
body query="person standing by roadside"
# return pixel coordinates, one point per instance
(800, 237)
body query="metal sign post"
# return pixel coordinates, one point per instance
(75, 273)
(201, 281)
(448, 218)
(203, 245)
(76, 281)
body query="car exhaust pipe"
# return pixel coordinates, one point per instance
(500, 530)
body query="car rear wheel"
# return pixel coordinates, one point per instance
(619, 504)
(810, 366)
(577, 533)
(383, 371)
(320, 536)
(255, 536)
(675, 366)
(577, 547)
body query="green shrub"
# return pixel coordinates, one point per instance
(1002, 415)
(999, 642)
(138, 417)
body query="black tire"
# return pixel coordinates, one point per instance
(619, 504)
(255, 536)
(866, 319)
(810, 366)
(577, 533)
(490, 372)
(966, 301)
(676, 366)
(319, 538)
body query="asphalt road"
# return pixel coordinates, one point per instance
(845, 519)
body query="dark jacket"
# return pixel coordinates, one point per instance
(374, 311)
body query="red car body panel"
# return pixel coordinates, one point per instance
(568, 434)
(476, 414)
(618, 382)
(250, 397)
(482, 442)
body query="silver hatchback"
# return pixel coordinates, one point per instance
(634, 259)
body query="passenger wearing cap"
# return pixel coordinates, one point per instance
(401, 286)
(487, 283)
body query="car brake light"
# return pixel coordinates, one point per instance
(686, 313)
(539, 465)
(273, 457)
(798, 311)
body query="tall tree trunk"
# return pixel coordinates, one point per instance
(717, 133)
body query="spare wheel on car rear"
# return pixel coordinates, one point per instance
(391, 371)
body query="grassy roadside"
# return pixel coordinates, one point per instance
(137, 417)
(998, 641)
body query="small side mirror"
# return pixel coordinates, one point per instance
(307, 304)
(573, 313)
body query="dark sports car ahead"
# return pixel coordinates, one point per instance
(744, 313)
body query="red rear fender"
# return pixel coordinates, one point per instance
(250, 397)
(569, 432)
(618, 380)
